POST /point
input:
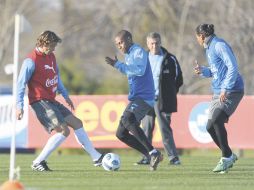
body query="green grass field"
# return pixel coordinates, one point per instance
(75, 172)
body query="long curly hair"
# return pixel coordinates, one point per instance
(46, 38)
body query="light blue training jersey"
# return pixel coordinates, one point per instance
(222, 68)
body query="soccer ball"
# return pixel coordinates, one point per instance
(111, 162)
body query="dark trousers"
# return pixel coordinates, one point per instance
(164, 120)
(129, 130)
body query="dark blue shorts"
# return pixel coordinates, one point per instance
(139, 108)
(50, 114)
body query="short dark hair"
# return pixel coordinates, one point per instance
(46, 38)
(205, 29)
(124, 34)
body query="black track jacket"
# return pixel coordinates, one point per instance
(170, 80)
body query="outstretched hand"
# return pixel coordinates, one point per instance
(70, 103)
(111, 61)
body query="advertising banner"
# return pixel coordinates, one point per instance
(6, 124)
(101, 114)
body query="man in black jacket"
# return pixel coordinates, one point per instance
(168, 78)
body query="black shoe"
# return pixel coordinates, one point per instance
(175, 161)
(143, 161)
(41, 167)
(98, 163)
(156, 158)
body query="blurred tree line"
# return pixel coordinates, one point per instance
(87, 29)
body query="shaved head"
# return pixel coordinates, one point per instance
(124, 34)
(123, 41)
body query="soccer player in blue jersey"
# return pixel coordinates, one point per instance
(141, 96)
(227, 86)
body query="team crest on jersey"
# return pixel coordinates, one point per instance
(138, 54)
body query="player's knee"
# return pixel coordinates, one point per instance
(129, 119)
(219, 117)
(209, 125)
(75, 123)
(119, 132)
(63, 129)
(78, 123)
(66, 131)
(120, 136)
